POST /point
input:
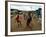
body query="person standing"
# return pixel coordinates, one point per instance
(29, 20)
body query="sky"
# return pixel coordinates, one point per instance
(25, 7)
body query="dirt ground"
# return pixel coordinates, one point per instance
(34, 25)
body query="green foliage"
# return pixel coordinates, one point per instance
(38, 12)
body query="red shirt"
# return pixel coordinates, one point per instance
(17, 18)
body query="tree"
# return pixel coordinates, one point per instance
(38, 12)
